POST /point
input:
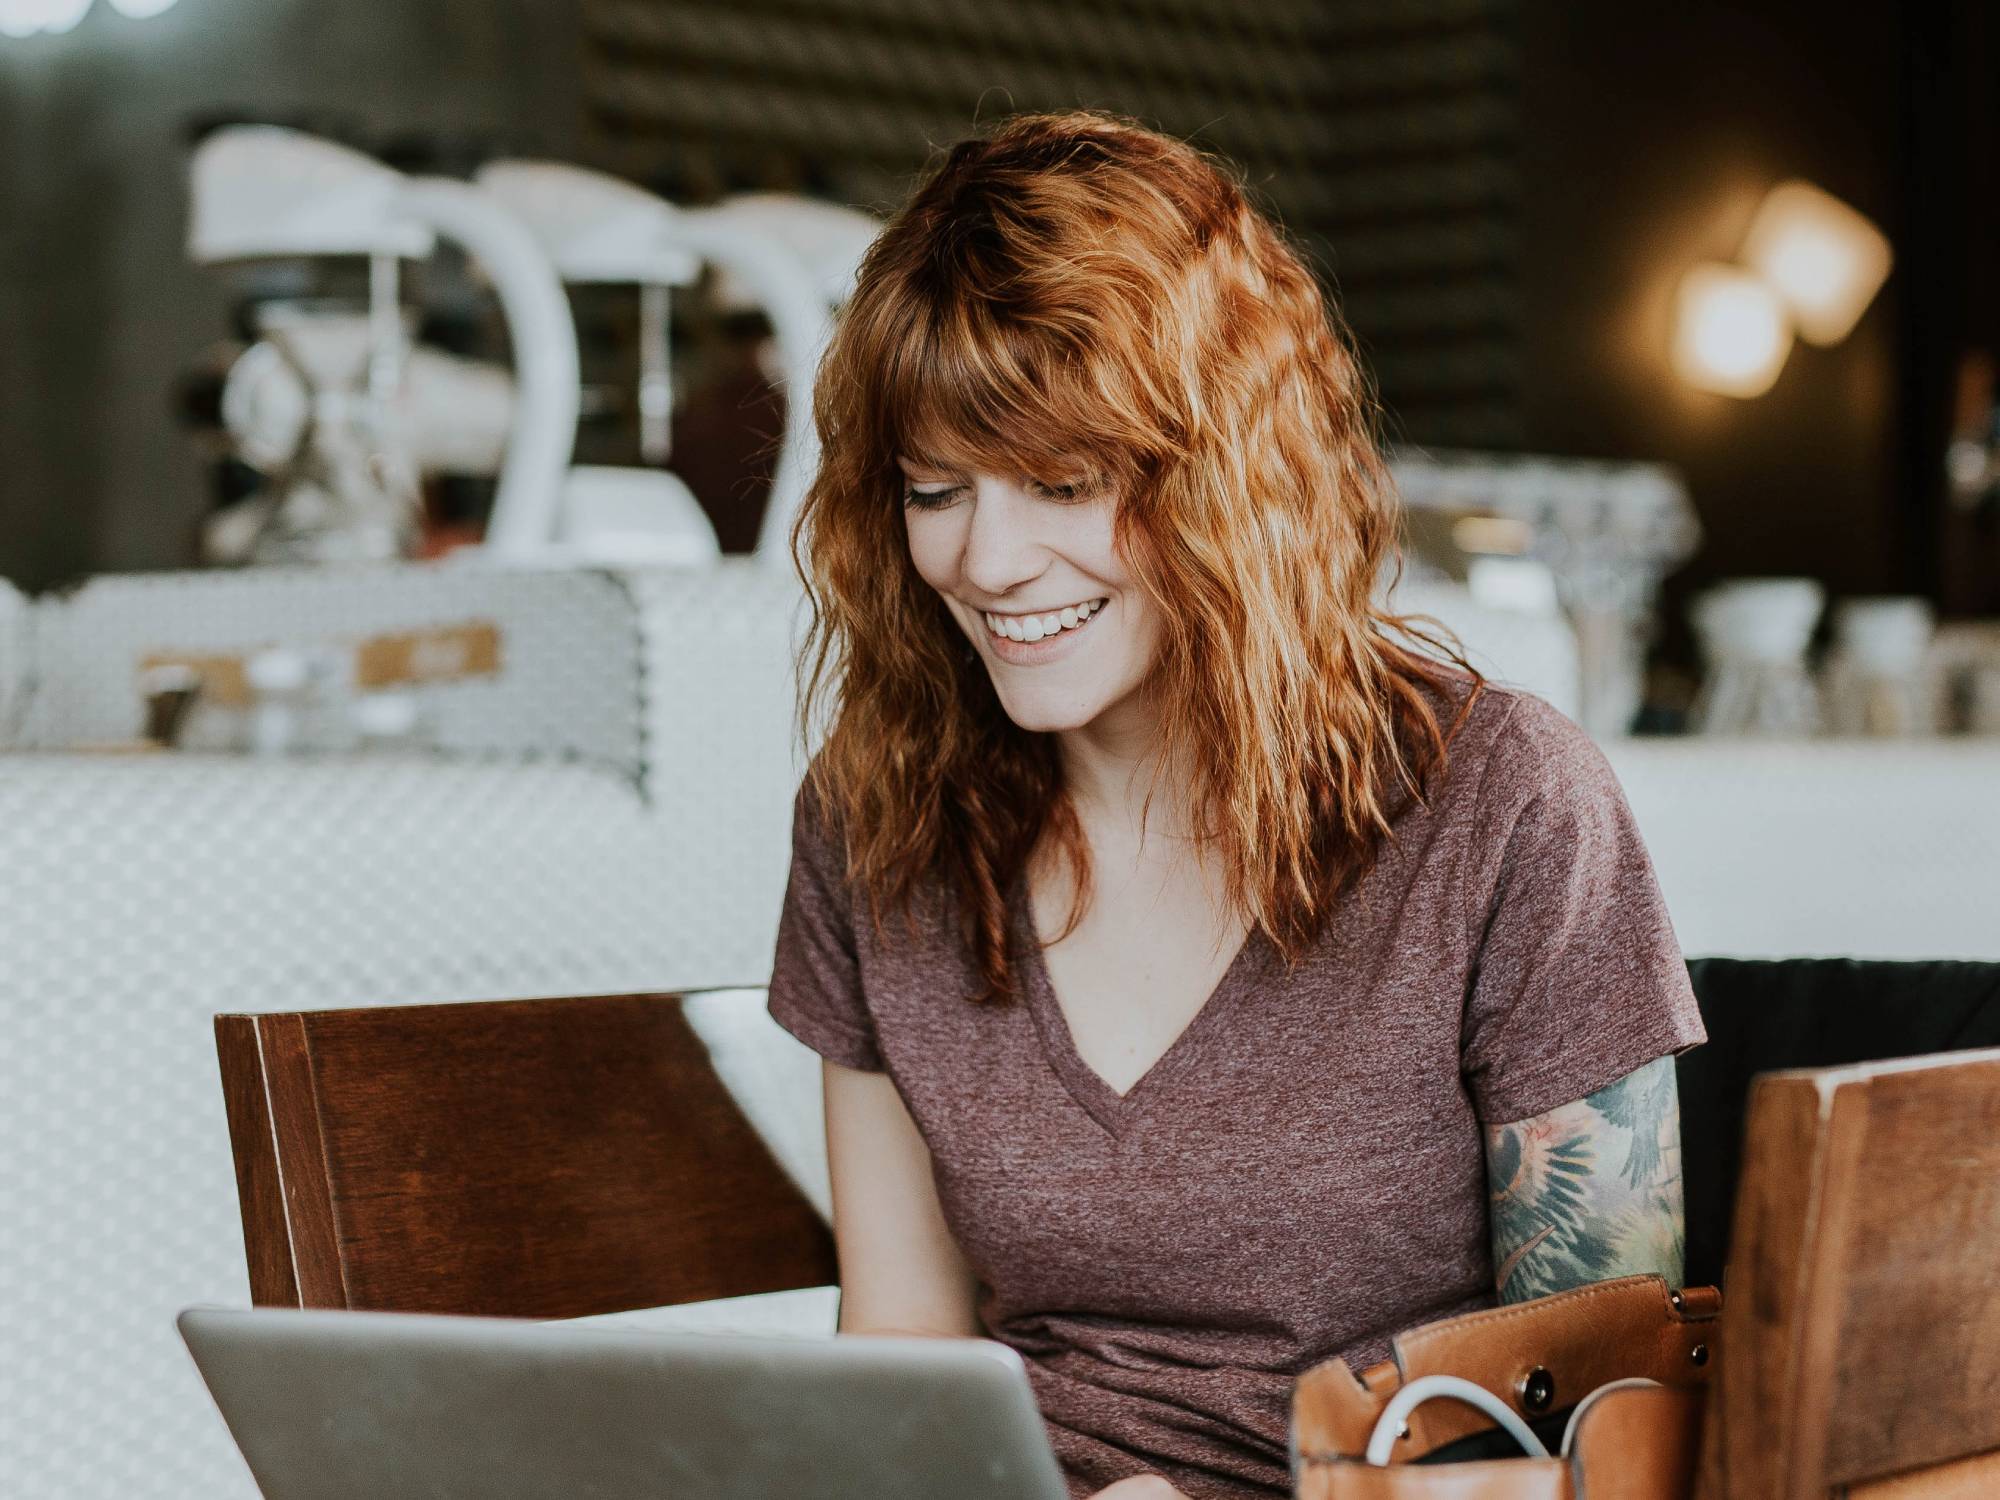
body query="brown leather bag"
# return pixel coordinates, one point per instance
(1630, 1442)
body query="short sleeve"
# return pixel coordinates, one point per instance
(1577, 976)
(816, 991)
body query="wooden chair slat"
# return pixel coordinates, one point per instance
(267, 1244)
(529, 1158)
(1861, 1330)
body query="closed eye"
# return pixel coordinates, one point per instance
(931, 499)
(1077, 489)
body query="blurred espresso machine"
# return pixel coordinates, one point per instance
(1590, 539)
(333, 404)
(343, 414)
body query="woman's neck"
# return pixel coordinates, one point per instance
(1110, 767)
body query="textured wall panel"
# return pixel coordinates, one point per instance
(141, 894)
(1384, 132)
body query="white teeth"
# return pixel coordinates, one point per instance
(1039, 627)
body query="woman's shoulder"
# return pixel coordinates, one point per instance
(1515, 747)
(818, 831)
(821, 824)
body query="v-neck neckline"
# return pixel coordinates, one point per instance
(1111, 1109)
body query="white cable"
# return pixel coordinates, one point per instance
(1389, 1426)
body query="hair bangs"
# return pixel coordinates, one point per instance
(976, 391)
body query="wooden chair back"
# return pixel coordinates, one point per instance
(1861, 1311)
(521, 1158)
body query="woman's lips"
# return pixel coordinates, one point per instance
(1035, 653)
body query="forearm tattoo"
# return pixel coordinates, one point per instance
(1589, 1191)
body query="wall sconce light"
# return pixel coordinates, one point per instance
(25, 18)
(1826, 260)
(1731, 331)
(20, 18)
(1810, 265)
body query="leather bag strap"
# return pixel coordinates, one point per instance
(1539, 1356)
(1631, 1444)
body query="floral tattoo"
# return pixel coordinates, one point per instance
(1589, 1191)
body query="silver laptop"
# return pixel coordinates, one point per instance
(397, 1406)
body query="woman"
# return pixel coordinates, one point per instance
(1210, 980)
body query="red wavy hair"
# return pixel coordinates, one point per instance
(1075, 290)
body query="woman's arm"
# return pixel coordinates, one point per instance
(1590, 1190)
(900, 1270)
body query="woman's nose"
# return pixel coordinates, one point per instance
(1001, 549)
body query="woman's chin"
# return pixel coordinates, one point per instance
(1048, 714)
(1049, 723)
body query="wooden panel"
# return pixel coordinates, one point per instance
(543, 1158)
(1762, 1292)
(1862, 1323)
(267, 1241)
(302, 1167)
(1918, 1362)
(1838, 1156)
(1965, 1479)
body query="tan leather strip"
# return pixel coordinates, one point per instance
(1584, 1338)
(1334, 1410)
(1975, 1478)
(1637, 1444)
(1499, 1479)
(1700, 1302)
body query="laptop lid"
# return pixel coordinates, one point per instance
(328, 1405)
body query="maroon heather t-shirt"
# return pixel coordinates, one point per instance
(1301, 1175)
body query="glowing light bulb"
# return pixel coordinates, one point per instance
(19, 18)
(24, 18)
(59, 16)
(1731, 332)
(1823, 258)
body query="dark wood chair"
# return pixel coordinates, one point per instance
(523, 1158)
(1860, 1344)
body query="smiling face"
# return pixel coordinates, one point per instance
(1033, 576)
